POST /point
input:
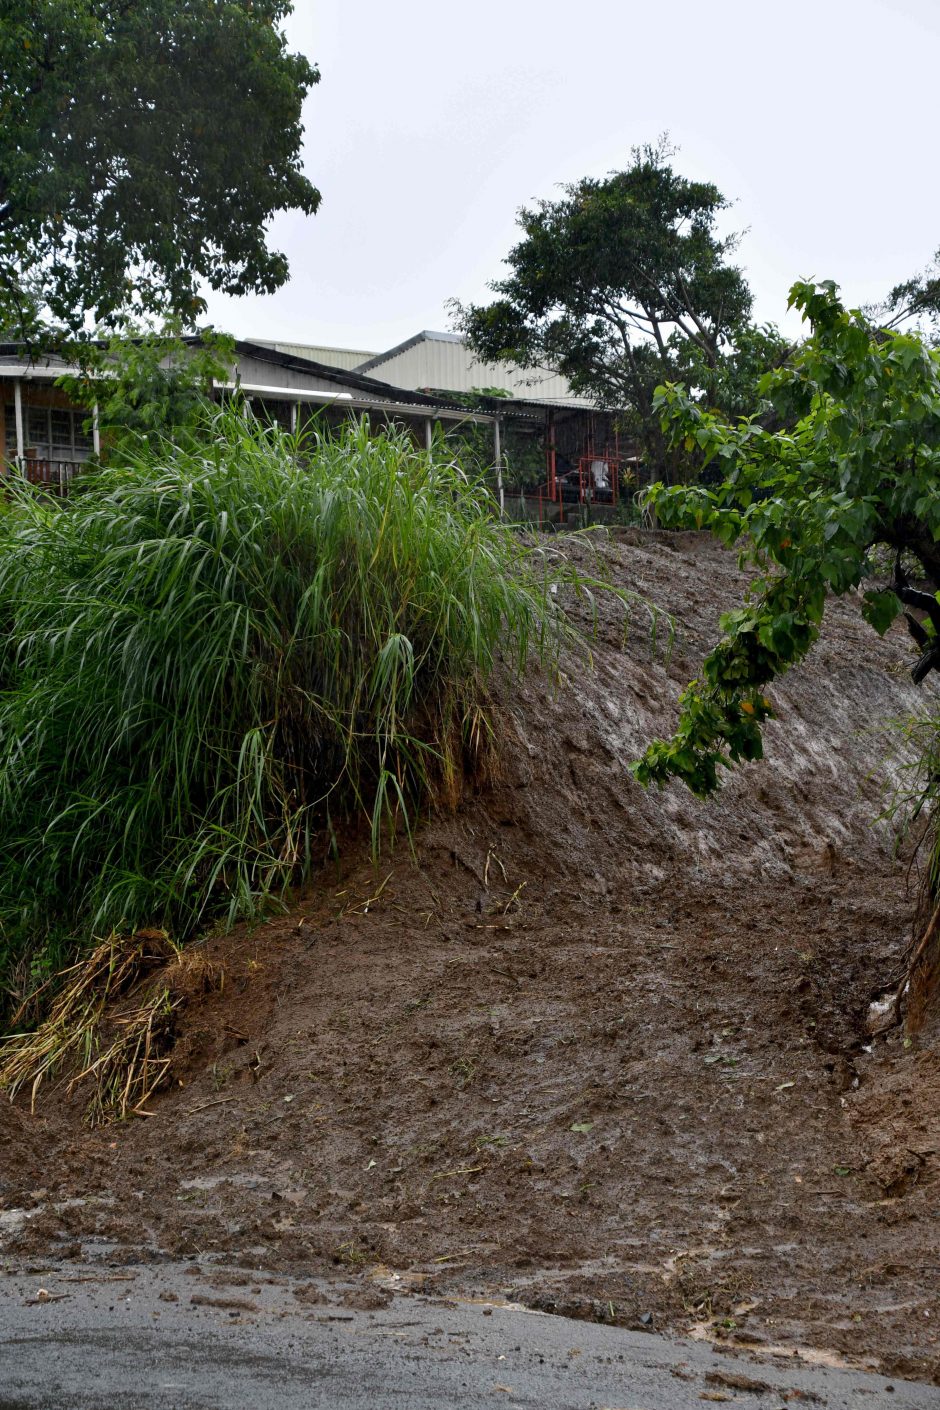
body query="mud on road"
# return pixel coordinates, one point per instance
(599, 1052)
(180, 1338)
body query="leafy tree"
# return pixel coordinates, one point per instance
(731, 384)
(914, 303)
(150, 384)
(144, 147)
(522, 454)
(848, 486)
(620, 285)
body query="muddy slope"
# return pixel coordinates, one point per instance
(596, 1050)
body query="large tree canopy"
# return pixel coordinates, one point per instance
(144, 146)
(847, 494)
(620, 285)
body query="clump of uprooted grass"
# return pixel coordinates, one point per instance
(122, 1069)
(110, 1024)
(210, 654)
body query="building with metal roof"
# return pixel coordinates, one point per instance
(554, 450)
(444, 362)
(348, 358)
(45, 433)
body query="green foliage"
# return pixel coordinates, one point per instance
(913, 303)
(211, 652)
(622, 284)
(522, 453)
(855, 471)
(149, 384)
(143, 149)
(730, 383)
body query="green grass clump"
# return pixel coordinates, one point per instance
(212, 650)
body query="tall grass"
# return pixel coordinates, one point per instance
(214, 651)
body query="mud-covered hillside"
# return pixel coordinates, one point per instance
(593, 1049)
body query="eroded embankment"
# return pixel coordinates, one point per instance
(601, 1050)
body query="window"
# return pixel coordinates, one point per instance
(36, 431)
(60, 434)
(49, 433)
(9, 432)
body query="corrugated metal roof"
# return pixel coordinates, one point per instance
(293, 369)
(376, 359)
(443, 361)
(348, 358)
(289, 376)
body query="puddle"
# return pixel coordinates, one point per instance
(809, 1355)
(211, 1182)
(13, 1220)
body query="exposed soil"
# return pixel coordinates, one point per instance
(19, 1154)
(598, 1051)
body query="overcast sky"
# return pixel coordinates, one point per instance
(433, 123)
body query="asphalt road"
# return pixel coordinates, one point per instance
(172, 1338)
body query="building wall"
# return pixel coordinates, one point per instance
(447, 364)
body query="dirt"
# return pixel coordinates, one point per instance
(593, 1050)
(19, 1149)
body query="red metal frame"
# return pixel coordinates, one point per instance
(553, 490)
(587, 491)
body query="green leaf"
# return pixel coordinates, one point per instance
(880, 609)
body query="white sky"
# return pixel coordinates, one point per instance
(433, 123)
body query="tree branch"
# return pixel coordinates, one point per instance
(926, 602)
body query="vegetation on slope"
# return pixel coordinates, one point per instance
(840, 492)
(848, 487)
(215, 651)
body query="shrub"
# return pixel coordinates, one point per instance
(215, 650)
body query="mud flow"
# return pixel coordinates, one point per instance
(591, 1050)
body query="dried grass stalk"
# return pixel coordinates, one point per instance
(135, 1063)
(71, 1034)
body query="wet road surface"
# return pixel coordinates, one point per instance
(174, 1338)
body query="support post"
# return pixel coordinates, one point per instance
(428, 434)
(498, 462)
(18, 415)
(95, 431)
(550, 452)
